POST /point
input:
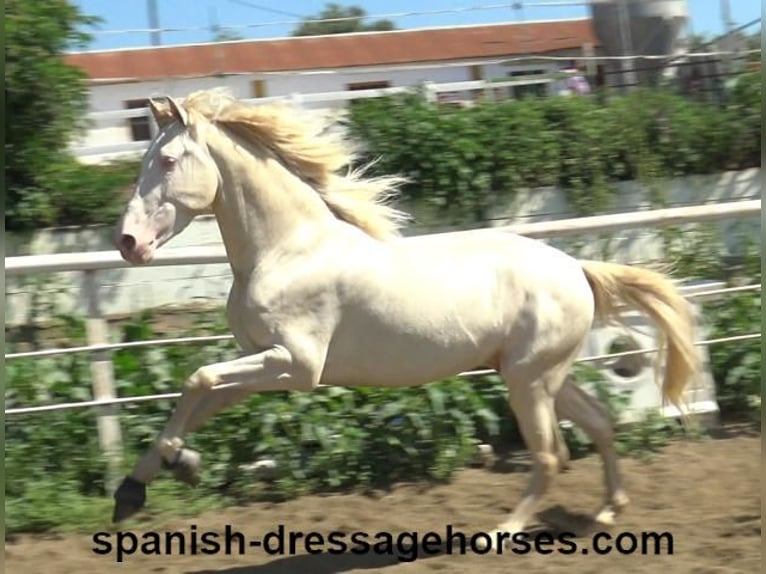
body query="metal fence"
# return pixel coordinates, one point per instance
(99, 348)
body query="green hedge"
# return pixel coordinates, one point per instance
(68, 192)
(461, 159)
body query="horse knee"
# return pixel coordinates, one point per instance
(202, 379)
(169, 447)
(547, 465)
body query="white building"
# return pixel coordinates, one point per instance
(122, 80)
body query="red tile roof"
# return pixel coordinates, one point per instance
(334, 51)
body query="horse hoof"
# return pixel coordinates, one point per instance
(606, 517)
(186, 466)
(129, 498)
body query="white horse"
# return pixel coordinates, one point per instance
(325, 290)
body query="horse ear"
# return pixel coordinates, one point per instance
(167, 110)
(161, 112)
(178, 112)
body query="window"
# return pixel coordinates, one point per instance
(140, 129)
(259, 88)
(368, 85)
(375, 85)
(522, 91)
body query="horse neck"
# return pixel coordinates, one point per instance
(262, 206)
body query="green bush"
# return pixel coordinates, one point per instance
(72, 193)
(460, 160)
(698, 254)
(46, 101)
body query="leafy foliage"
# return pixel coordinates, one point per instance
(460, 160)
(338, 19)
(736, 367)
(744, 105)
(45, 103)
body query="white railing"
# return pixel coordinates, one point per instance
(432, 91)
(90, 263)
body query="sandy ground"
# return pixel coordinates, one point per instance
(706, 494)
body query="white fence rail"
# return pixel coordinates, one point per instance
(91, 261)
(101, 367)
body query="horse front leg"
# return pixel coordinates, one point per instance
(273, 370)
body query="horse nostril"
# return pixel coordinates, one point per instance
(127, 242)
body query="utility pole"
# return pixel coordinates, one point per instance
(626, 43)
(519, 9)
(154, 22)
(216, 38)
(728, 39)
(215, 28)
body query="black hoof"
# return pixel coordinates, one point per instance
(129, 498)
(185, 467)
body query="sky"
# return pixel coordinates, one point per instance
(269, 19)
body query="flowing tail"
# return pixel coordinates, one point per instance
(653, 293)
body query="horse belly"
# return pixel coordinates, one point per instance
(415, 340)
(413, 364)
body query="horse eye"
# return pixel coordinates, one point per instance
(167, 161)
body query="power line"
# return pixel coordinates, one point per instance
(303, 19)
(266, 8)
(411, 13)
(475, 373)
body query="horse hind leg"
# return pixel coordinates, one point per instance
(561, 448)
(532, 402)
(582, 409)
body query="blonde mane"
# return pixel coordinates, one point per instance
(312, 152)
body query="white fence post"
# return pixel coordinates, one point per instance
(431, 92)
(102, 373)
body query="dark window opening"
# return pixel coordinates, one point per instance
(369, 85)
(527, 90)
(140, 130)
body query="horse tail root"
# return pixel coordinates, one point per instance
(615, 285)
